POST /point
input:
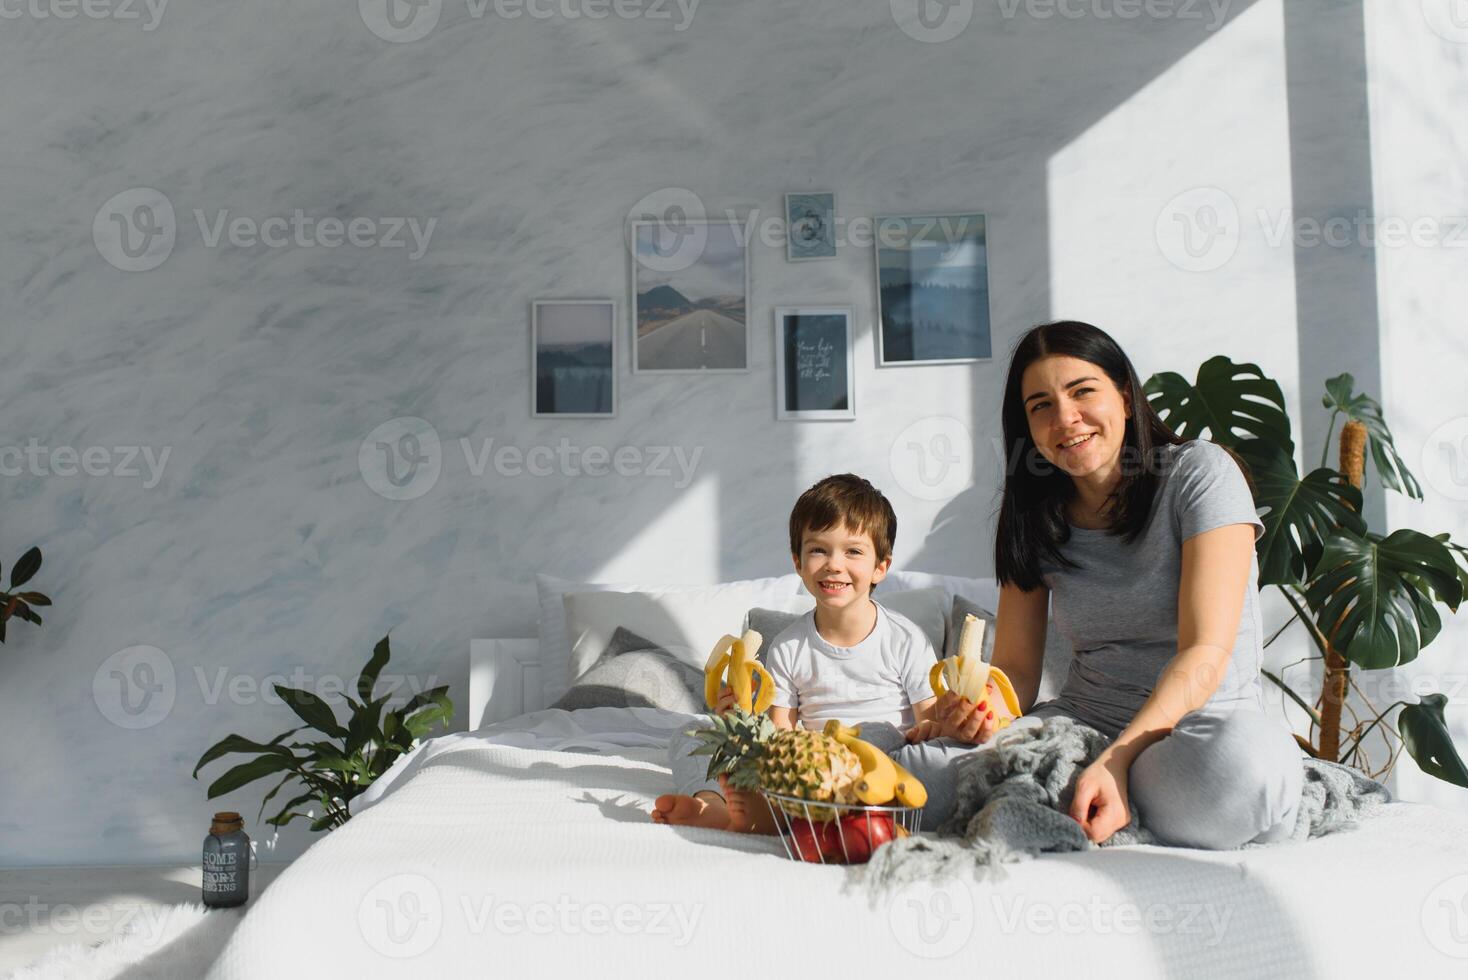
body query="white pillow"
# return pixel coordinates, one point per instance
(555, 639)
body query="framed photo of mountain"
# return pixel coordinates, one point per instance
(813, 363)
(810, 226)
(573, 358)
(690, 297)
(932, 289)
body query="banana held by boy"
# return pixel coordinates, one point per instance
(967, 675)
(737, 655)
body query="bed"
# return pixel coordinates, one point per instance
(524, 848)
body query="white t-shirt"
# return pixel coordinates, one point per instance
(879, 679)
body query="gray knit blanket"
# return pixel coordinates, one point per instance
(1013, 802)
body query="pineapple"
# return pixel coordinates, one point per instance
(756, 755)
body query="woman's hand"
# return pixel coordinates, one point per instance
(726, 700)
(1100, 803)
(960, 718)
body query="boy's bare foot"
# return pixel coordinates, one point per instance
(744, 812)
(691, 811)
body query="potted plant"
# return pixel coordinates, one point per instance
(1369, 601)
(352, 756)
(19, 604)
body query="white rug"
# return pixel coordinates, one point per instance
(171, 943)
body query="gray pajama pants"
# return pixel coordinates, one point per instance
(1224, 776)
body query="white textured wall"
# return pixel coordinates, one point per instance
(262, 550)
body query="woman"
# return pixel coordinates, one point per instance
(1145, 543)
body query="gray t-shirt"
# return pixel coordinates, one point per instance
(1119, 611)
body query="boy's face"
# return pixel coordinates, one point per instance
(839, 566)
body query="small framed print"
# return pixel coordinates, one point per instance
(932, 289)
(573, 358)
(810, 226)
(690, 297)
(813, 363)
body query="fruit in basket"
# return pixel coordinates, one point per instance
(968, 676)
(754, 754)
(735, 656)
(815, 841)
(864, 833)
(883, 780)
(810, 766)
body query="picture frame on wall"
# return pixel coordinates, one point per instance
(810, 226)
(690, 297)
(815, 378)
(932, 289)
(573, 358)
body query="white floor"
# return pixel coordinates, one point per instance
(45, 907)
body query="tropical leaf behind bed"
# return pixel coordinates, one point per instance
(1368, 600)
(333, 771)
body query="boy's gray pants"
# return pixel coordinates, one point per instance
(1221, 778)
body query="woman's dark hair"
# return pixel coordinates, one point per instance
(1032, 516)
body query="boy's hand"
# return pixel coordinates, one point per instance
(726, 700)
(924, 730)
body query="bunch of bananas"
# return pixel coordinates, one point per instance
(736, 657)
(967, 675)
(883, 781)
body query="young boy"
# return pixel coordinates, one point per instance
(848, 659)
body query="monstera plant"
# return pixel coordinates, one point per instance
(332, 773)
(1368, 600)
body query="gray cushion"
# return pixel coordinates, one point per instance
(961, 609)
(635, 673)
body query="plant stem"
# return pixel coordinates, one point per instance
(1329, 431)
(1293, 696)
(1287, 624)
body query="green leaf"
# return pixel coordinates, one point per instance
(426, 710)
(1229, 401)
(237, 743)
(324, 821)
(35, 598)
(367, 680)
(29, 564)
(362, 727)
(1390, 469)
(1425, 735)
(1373, 596)
(312, 710)
(248, 772)
(284, 816)
(1298, 514)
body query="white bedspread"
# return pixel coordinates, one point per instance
(515, 852)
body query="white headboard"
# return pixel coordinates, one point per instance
(504, 680)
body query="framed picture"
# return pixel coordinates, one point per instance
(810, 226)
(573, 358)
(932, 289)
(813, 363)
(690, 297)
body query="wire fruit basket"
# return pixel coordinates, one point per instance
(838, 833)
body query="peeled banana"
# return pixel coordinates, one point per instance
(736, 655)
(967, 675)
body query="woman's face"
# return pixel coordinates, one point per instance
(1065, 399)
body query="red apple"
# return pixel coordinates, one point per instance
(815, 841)
(864, 833)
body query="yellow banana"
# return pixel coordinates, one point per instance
(879, 773)
(737, 656)
(910, 792)
(967, 674)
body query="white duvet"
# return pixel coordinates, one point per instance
(525, 850)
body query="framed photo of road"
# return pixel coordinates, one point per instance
(932, 289)
(813, 363)
(573, 354)
(690, 297)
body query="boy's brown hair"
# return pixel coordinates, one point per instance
(845, 499)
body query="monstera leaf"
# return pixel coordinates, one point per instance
(1299, 515)
(1373, 597)
(1425, 735)
(1230, 401)
(1394, 475)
